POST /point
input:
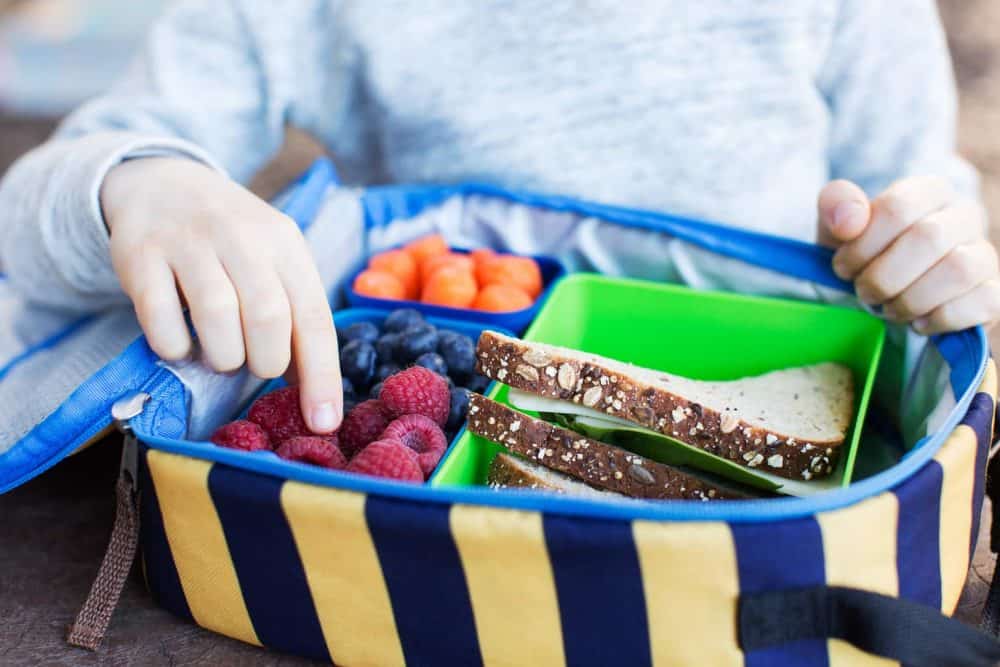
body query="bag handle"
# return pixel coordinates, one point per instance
(911, 633)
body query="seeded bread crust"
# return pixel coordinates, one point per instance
(548, 371)
(590, 461)
(512, 472)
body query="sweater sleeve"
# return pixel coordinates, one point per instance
(889, 86)
(197, 90)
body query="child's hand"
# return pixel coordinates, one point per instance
(918, 249)
(181, 232)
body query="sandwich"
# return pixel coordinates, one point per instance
(650, 434)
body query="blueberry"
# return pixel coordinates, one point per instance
(365, 331)
(459, 352)
(402, 319)
(357, 362)
(387, 347)
(348, 406)
(375, 390)
(385, 370)
(415, 341)
(477, 383)
(348, 388)
(459, 408)
(434, 362)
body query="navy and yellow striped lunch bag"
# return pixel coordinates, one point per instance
(363, 571)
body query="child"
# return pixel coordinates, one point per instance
(745, 112)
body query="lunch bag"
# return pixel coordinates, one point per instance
(365, 571)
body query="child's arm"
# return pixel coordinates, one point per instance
(904, 209)
(144, 162)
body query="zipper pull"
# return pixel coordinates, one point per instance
(123, 411)
(92, 622)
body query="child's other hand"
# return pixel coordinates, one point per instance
(182, 233)
(918, 249)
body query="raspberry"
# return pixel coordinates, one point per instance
(421, 435)
(279, 414)
(241, 434)
(416, 391)
(387, 458)
(362, 425)
(321, 451)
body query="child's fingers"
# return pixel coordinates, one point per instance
(981, 305)
(214, 307)
(264, 311)
(921, 246)
(314, 342)
(963, 269)
(903, 204)
(843, 213)
(150, 284)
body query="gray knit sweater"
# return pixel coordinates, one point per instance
(732, 110)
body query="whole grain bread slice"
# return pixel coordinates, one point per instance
(513, 472)
(790, 422)
(596, 463)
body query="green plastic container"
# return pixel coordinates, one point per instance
(701, 335)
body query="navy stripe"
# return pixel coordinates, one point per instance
(599, 584)
(775, 557)
(160, 571)
(267, 563)
(979, 419)
(426, 583)
(918, 552)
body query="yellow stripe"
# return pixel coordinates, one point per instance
(511, 585)
(691, 585)
(989, 384)
(198, 545)
(958, 459)
(343, 573)
(859, 551)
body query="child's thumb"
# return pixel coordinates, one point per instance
(844, 211)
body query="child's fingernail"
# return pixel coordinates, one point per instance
(848, 214)
(324, 417)
(920, 324)
(865, 296)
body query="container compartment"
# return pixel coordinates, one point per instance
(701, 335)
(518, 320)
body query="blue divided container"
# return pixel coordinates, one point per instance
(349, 316)
(518, 320)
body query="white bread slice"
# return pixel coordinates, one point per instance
(790, 422)
(512, 472)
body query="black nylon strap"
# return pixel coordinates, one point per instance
(901, 630)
